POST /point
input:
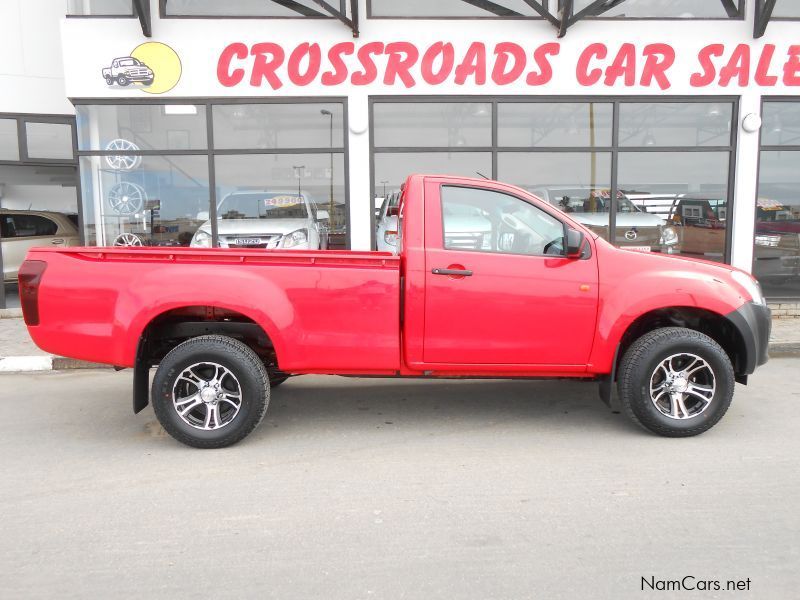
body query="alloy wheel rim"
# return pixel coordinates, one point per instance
(682, 386)
(207, 396)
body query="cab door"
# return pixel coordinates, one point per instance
(498, 287)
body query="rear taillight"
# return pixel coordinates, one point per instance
(30, 277)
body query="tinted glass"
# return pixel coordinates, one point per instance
(261, 199)
(432, 124)
(690, 197)
(575, 182)
(452, 8)
(9, 145)
(268, 126)
(245, 8)
(675, 124)
(489, 221)
(683, 9)
(787, 8)
(142, 127)
(548, 124)
(781, 124)
(100, 7)
(776, 253)
(144, 200)
(32, 226)
(49, 140)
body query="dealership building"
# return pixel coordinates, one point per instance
(665, 126)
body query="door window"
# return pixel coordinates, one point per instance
(31, 226)
(489, 221)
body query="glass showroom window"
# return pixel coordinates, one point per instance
(100, 8)
(786, 9)
(673, 168)
(280, 178)
(669, 9)
(669, 192)
(776, 253)
(455, 8)
(244, 8)
(144, 173)
(279, 173)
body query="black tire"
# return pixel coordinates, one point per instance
(122, 80)
(248, 373)
(148, 82)
(109, 80)
(640, 368)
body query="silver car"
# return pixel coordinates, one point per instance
(264, 219)
(22, 230)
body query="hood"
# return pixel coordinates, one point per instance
(246, 227)
(637, 219)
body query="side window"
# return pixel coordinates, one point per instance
(489, 221)
(7, 227)
(33, 226)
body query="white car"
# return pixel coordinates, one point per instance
(262, 219)
(25, 229)
(386, 224)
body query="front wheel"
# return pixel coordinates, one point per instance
(123, 80)
(210, 391)
(676, 382)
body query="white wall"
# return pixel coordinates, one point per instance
(31, 67)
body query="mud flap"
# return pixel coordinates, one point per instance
(141, 379)
(607, 389)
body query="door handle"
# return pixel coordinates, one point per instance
(457, 272)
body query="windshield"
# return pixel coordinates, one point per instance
(263, 206)
(589, 201)
(129, 62)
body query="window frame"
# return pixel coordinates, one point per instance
(211, 152)
(615, 149)
(545, 4)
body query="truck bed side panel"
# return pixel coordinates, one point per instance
(323, 311)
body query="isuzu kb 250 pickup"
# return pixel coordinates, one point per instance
(538, 296)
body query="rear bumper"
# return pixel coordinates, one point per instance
(753, 323)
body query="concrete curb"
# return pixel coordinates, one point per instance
(10, 313)
(23, 364)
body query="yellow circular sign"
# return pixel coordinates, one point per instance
(164, 62)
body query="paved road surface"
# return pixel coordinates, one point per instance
(384, 489)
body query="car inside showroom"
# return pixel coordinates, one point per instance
(670, 127)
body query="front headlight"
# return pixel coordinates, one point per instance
(295, 238)
(669, 236)
(201, 239)
(750, 285)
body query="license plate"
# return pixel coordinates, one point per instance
(248, 241)
(638, 248)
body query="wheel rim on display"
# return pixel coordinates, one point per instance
(127, 239)
(122, 162)
(682, 386)
(207, 396)
(126, 198)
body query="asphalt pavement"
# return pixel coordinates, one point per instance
(357, 488)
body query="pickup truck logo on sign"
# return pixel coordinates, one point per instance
(153, 67)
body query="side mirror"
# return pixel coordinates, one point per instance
(202, 215)
(575, 241)
(323, 215)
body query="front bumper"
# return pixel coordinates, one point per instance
(753, 322)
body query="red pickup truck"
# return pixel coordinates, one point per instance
(490, 282)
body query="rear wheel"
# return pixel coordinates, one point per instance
(676, 382)
(210, 392)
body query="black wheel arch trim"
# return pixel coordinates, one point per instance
(753, 323)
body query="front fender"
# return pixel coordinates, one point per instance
(646, 283)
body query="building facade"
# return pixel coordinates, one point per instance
(664, 126)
